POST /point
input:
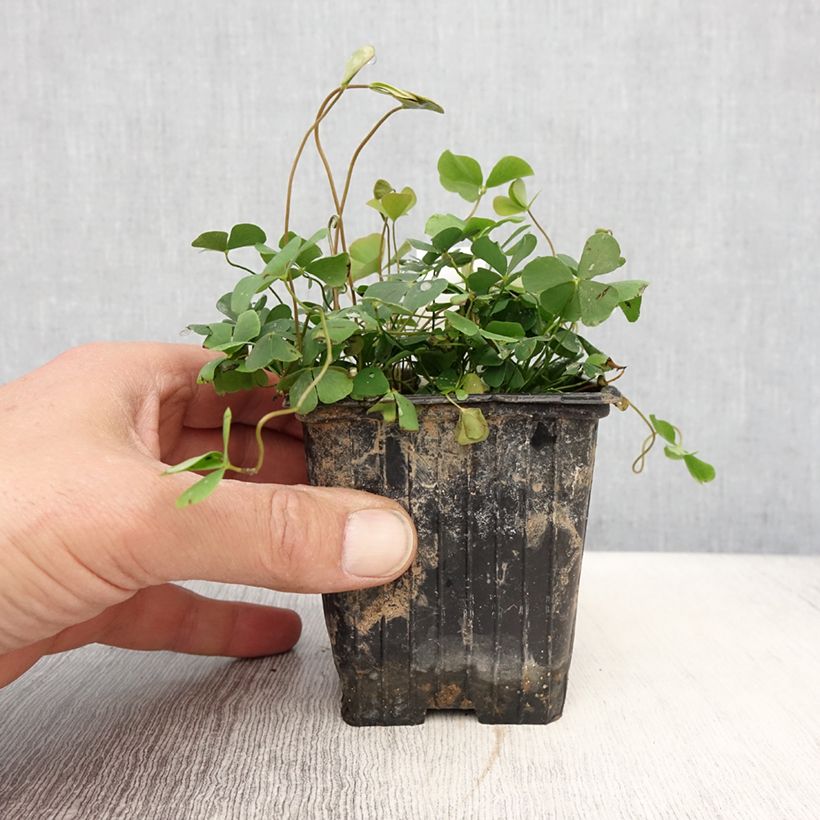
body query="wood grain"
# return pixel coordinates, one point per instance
(693, 694)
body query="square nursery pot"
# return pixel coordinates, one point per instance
(484, 619)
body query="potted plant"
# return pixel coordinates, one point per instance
(450, 373)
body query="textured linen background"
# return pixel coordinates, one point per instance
(689, 128)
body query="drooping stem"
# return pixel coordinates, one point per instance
(649, 442)
(543, 232)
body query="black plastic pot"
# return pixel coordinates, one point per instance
(485, 617)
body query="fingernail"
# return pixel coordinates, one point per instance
(377, 543)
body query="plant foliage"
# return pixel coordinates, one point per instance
(479, 303)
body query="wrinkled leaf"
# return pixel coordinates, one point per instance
(472, 427)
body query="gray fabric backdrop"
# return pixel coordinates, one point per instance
(690, 128)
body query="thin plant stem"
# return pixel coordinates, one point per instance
(358, 151)
(543, 232)
(237, 265)
(475, 207)
(323, 111)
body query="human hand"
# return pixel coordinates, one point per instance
(90, 537)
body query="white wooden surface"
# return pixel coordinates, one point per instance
(694, 693)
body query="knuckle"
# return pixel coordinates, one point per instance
(289, 523)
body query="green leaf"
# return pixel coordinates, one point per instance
(387, 407)
(544, 273)
(365, 255)
(482, 280)
(212, 241)
(245, 235)
(232, 381)
(270, 348)
(629, 289)
(207, 461)
(300, 397)
(597, 301)
(382, 187)
(472, 383)
(518, 193)
(334, 386)
(561, 301)
(444, 240)
(423, 292)
(247, 327)
(408, 99)
(504, 206)
(370, 382)
(664, 429)
(201, 490)
(356, 62)
(505, 330)
(484, 248)
(477, 225)
(472, 427)
(277, 267)
(397, 203)
(206, 373)
(332, 270)
(507, 169)
(390, 291)
(439, 222)
(601, 255)
(521, 250)
(701, 471)
(461, 323)
(460, 174)
(408, 420)
(244, 290)
(632, 309)
(339, 329)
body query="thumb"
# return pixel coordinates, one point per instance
(291, 538)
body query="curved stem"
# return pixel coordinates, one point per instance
(475, 207)
(358, 151)
(339, 230)
(236, 265)
(543, 232)
(648, 443)
(324, 108)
